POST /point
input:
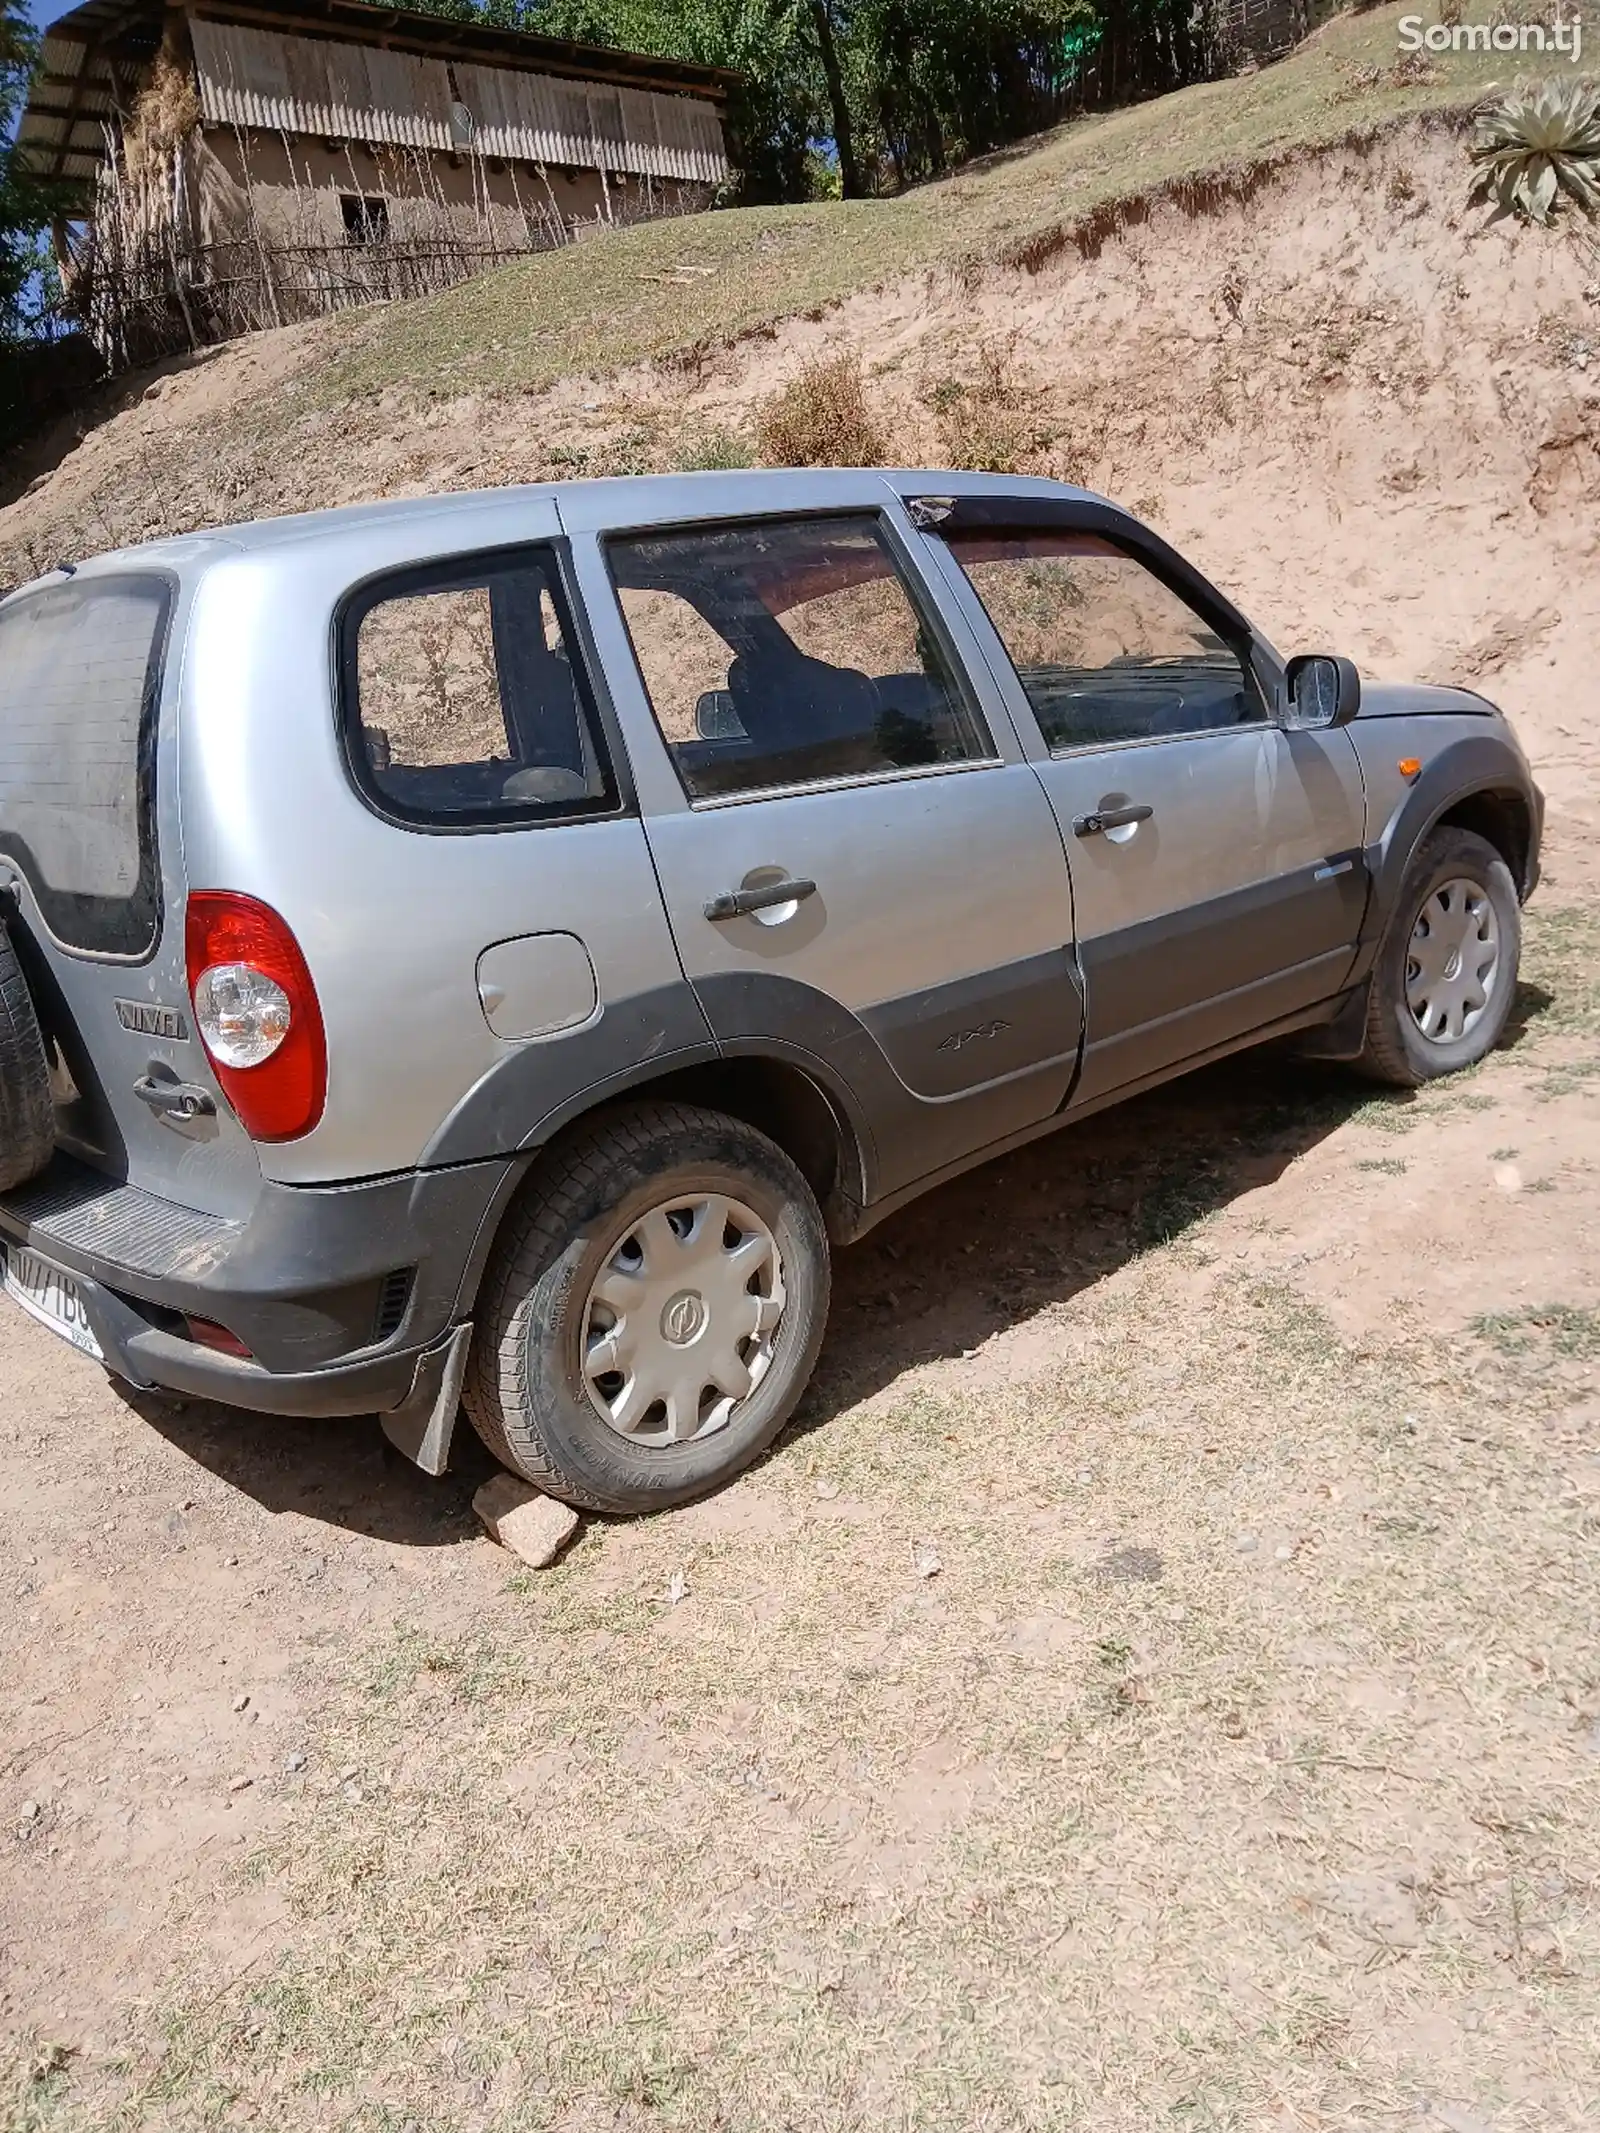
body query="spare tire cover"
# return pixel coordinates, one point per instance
(27, 1111)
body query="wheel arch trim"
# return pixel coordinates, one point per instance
(1475, 768)
(710, 1078)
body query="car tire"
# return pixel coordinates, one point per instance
(630, 1205)
(1426, 1014)
(27, 1111)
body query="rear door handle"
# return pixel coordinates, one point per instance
(174, 1099)
(739, 903)
(1109, 818)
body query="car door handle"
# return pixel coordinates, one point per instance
(174, 1099)
(739, 903)
(1109, 818)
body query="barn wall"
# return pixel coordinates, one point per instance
(294, 187)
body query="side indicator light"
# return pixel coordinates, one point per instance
(1410, 766)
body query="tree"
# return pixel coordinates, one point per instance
(838, 103)
(25, 204)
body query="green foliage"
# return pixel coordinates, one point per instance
(1539, 145)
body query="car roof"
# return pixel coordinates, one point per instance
(625, 500)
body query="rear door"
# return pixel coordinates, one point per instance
(1216, 857)
(87, 817)
(856, 861)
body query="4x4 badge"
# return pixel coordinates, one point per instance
(147, 1019)
(961, 1038)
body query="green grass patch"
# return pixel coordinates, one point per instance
(1570, 1331)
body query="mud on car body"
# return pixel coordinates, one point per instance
(491, 950)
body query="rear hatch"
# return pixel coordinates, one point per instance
(89, 840)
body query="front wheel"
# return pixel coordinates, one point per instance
(1446, 974)
(652, 1313)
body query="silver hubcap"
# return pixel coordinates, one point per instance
(680, 1325)
(1452, 960)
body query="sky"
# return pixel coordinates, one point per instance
(46, 11)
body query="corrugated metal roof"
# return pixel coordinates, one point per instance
(535, 118)
(128, 21)
(592, 108)
(288, 84)
(304, 85)
(73, 97)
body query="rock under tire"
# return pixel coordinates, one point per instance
(525, 1391)
(27, 1111)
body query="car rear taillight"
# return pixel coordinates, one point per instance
(257, 1013)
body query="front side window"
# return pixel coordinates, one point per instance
(80, 679)
(789, 652)
(468, 706)
(1105, 652)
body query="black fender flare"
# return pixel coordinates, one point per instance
(1475, 764)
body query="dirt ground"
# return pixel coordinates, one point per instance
(1238, 1764)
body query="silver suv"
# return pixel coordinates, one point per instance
(490, 948)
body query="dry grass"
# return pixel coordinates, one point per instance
(1210, 1782)
(990, 421)
(822, 418)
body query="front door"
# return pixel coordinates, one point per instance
(1216, 859)
(854, 856)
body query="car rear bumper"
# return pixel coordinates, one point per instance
(346, 1296)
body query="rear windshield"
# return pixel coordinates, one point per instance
(80, 672)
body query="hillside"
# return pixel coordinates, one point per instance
(670, 291)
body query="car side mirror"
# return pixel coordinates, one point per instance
(1322, 692)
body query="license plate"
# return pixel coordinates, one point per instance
(48, 1295)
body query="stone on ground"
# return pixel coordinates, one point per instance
(535, 1528)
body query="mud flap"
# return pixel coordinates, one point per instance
(1344, 1037)
(422, 1427)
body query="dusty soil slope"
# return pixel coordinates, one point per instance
(1240, 1765)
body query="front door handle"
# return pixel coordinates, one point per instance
(739, 903)
(1109, 818)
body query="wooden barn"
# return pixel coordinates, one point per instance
(240, 163)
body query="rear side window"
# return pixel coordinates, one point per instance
(80, 680)
(465, 702)
(789, 652)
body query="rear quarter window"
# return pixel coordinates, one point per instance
(80, 683)
(466, 704)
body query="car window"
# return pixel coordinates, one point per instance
(80, 677)
(787, 653)
(1104, 650)
(468, 705)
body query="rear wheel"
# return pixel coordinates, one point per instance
(1446, 973)
(27, 1113)
(652, 1313)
